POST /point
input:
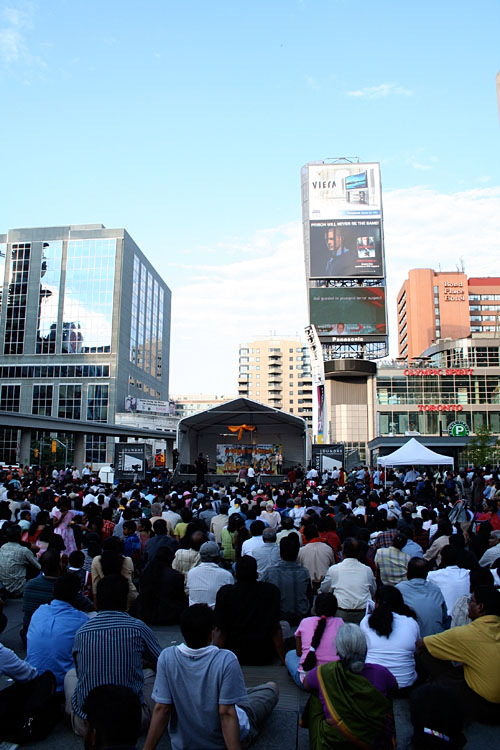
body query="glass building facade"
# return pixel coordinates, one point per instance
(84, 323)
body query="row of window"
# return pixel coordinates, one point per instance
(463, 389)
(432, 423)
(70, 403)
(10, 372)
(476, 297)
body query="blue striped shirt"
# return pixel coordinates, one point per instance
(109, 649)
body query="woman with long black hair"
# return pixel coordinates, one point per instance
(315, 639)
(392, 632)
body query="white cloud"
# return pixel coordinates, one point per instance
(427, 229)
(380, 92)
(17, 20)
(263, 291)
(222, 306)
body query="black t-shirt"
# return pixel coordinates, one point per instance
(247, 614)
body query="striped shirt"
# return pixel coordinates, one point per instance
(110, 649)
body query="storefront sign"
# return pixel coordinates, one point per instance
(435, 372)
(454, 291)
(440, 407)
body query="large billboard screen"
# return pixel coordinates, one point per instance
(349, 312)
(327, 457)
(344, 191)
(346, 249)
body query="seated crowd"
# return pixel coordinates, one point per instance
(363, 592)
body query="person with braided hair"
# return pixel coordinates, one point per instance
(315, 639)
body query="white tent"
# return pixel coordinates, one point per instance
(414, 453)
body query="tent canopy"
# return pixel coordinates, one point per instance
(414, 453)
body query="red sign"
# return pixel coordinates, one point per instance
(440, 407)
(439, 371)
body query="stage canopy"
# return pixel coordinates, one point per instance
(257, 425)
(414, 453)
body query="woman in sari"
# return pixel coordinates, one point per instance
(349, 706)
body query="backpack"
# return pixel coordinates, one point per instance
(29, 710)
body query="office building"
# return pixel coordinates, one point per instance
(436, 306)
(276, 371)
(84, 325)
(192, 403)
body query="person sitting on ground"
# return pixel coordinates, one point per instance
(460, 613)
(315, 555)
(293, 581)
(424, 598)
(16, 562)
(111, 645)
(53, 627)
(476, 647)
(288, 528)
(218, 522)
(392, 633)
(162, 597)
(160, 539)
(453, 581)
(113, 562)
(247, 615)
(256, 529)
(200, 692)
(204, 580)
(266, 554)
(349, 705)
(315, 639)
(352, 582)
(392, 562)
(188, 557)
(132, 543)
(113, 718)
(271, 516)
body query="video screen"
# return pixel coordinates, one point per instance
(356, 181)
(353, 311)
(346, 249)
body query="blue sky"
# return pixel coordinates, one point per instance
(188, 123)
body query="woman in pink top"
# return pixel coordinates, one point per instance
(315, 639)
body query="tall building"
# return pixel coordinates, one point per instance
(434, 306)
(276, 371)
(84, 325)
(191, 403)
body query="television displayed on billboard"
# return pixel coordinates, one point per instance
(344, 190)
(345, 249)
(348, 313)
(328, 457)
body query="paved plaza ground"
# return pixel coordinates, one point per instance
(282, 731)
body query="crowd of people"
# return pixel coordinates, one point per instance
(365, 587)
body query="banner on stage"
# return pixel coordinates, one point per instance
(265, 459)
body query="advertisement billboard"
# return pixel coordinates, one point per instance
(349, 313)
(344, 191)
(346, 249)
(130, 461)
(144, 405)
(327, 457)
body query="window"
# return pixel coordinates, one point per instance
(42, 400)
(10, 397)
(290, 351)
(17, 298)
(88, 297)
(95, 449)
(70, 401)
(97, 403)
(291, 367)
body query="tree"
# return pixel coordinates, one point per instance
(482, 448)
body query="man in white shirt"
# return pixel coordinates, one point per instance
(493, 553)
(266, 554)
(256, 530)
(453, 581)
(204, 581)
(352, 582)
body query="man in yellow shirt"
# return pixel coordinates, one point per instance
(477, 647)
